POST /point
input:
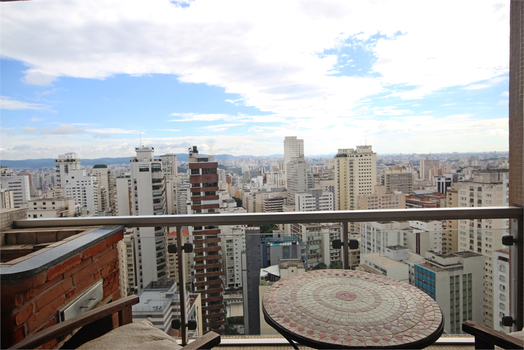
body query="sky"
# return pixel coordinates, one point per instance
(100, 78)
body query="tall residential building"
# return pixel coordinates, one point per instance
(314, 200)
(501, 287)
(203, 178)
(450, 232)
(76, 183)
(148, 198)
(398, 180)
(83, 188)
(106, 189)
(428, 168)
(488, 188)
(64, 164)
(376, 237)
(455, 282)
(233, 243)
(443, 182)
(293, 148)
(182, 195)
(355, 174)
(18, 185)
(381, 199)
(6, 199)
(298, 178)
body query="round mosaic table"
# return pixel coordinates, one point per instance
(352, 309)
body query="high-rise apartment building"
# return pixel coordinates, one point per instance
(355, 174)
(428, 168)
(299, 178)
(501, 288)
(455, 282)
(203, 178)
(398, 180)
(148, 198)
(123, 195)
(293, 148)
(314, 200)
(182, 195)
(18, 185)
(83, 188)
(450, 227)
(381, 199)
(106, 189)
(64, 164)
(6, 199)
(76, 183)
(488, 188)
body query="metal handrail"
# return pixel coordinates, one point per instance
(281, 218)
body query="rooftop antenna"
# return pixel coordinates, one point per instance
(140, 133)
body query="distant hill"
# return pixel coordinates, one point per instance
(50, 162)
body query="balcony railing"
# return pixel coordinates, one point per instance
(515, 239)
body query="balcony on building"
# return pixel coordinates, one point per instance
(51, 262)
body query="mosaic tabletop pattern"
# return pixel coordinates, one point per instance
(352, 309)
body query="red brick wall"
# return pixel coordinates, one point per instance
(31, 304)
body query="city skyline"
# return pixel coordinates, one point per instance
(236, 78)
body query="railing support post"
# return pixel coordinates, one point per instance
(517, 271)
(181, 284)
(345, 245)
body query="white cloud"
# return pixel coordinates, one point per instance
(8, 103)
(477, 86)
(113, 131)
(249, 49)
(192, 117)
(29, 129)
(63, 129)
(34, 120)
(219, 128)
(35, 77)
(390, 110)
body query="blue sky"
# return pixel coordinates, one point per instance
(236, 77)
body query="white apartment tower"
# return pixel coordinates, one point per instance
(501, 288)
(106, 189)
(18, 185)
(123, 195)
(148, 198)
(428, 168)
(314, 200)
(83, 188)
(299, 178)
(355, 175)
(76, 183)
(64, 164)
(293, 149)
(488, 188)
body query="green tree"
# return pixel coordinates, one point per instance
(336, 265)
(239, 201)
(267, 228)
(320, 266)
